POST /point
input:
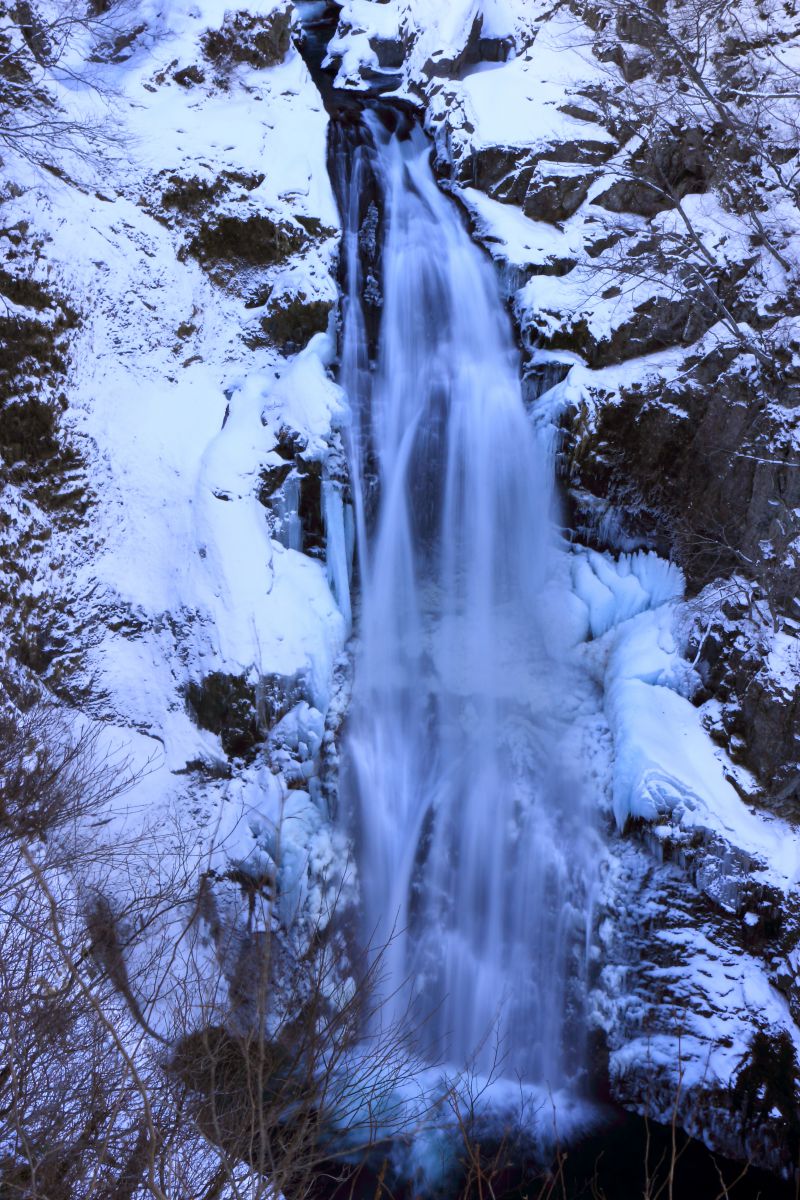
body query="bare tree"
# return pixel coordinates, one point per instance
(153, 1045)
(686, 78)
(43, 45)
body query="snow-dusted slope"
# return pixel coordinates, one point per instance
(188, 606)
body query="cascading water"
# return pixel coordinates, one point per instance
(473, 837)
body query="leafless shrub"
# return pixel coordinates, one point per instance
(53, 772)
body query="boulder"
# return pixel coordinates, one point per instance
(674, 164)
(555, 191)
(390, 51)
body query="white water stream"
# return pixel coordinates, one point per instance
(473, 833)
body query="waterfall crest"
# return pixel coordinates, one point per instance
(471, 831)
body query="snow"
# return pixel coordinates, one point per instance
(783, 659)
(506, 18)
(520, 240)
(378, 19)
(519, 103)
(177, 416)
(614, 591)
(359, 20)
(665, 766)
(665, 769)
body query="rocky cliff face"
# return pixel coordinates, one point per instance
(632, 171)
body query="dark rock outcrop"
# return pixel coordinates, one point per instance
(254, 237)
(292, 321)
(749, 663)
(223, 220)
(242, 711)
(712, 458)
(252, 38)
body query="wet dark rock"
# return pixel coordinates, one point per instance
(770, 722)
(711, 456)
(305, 476)
(494, 49)
(554, 194)
(315, 228)
(505, 172)
(290, 444)
(633, 62)
(477, 48)
(449, 65)
(655, 323)
(391, 52)
(226, 705)
(633, 196)
(270, 479)
(749, 661)
(677, 163)
(189, 76)
(580, 112)
(310, 509)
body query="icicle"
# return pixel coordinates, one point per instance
(286, 506)
(336, 536)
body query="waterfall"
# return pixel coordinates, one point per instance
(472, 831)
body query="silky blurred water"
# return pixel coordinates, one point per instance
(473, 831)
